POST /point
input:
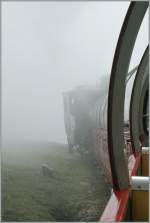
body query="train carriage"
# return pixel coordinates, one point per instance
(120, 148)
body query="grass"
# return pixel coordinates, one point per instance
(76, 192)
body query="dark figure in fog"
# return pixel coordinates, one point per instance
(82, 132)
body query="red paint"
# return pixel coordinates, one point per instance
(134, 162)
(116, 206)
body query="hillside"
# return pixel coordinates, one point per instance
(75, 192)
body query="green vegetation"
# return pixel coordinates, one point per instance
(76, 192)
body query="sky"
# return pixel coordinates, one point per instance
(51, 47)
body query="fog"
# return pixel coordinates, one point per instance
(48, 48)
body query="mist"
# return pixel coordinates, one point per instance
(49, 48)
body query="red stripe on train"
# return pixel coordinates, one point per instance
(116, 206)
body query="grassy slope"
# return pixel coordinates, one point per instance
(77, 191)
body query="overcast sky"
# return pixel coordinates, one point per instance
(50, 47)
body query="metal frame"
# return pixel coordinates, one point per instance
(116, 96)
(137, 103)
(131, 73)
(139, 183)
(142, 111)
(145, 150)
(146, 112)
(117, 205)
